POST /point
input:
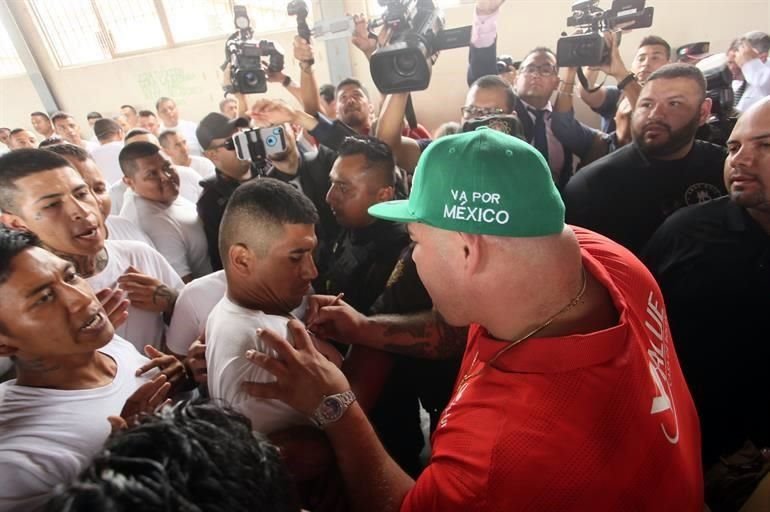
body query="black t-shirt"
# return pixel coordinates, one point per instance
(712, 262)
(626, 196)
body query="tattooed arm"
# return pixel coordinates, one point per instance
(148, 293)
(424, 335)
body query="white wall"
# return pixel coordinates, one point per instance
(191, 75)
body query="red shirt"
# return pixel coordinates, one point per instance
(595, 422)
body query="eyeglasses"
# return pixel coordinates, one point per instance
(544, 70)
(472, 111)
(228, 144)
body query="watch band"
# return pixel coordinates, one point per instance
(286, 81)
(627, 80)
(333, 407)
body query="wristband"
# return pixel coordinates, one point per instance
(627, 80)
(286, 81)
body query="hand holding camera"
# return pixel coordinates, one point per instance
(266, 112)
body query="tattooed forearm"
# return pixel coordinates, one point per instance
(417, 327)
(426, 335)
(421, 350)
(164, 295)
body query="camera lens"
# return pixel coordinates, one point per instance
(270, 141)
(405, 64)
(251, 78)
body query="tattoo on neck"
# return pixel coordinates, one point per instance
(86, 266)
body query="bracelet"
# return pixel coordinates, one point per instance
(286, 81)
(627, 80)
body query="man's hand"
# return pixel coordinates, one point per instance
(115, 304)
(745, 53)
(330, 317)
(147, 293)
(303, 52)
(266, 112)
(487, 7)
(274, 76)
(616, 67)
(361, 37)
(303, 375)
(196, 361)
(149, 397)
(168, 365)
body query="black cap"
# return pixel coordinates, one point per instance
(217, 126)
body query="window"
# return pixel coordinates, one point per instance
(375, 9)
(87, 31)
(10, 63)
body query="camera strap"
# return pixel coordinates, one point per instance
(584, 81)
(409, 113)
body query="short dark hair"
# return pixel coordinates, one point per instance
(21, 163)
(133, 152)
(105, 128)
(94, 115)
(5, 129)
(147, 113)
(61, 115)
(50, 141)
(41, 114)
(495, 82)
(165, 134)
(377, 154)
(758, 40)
(657, 41)
(66, 149)
(129, 107)
(268, 202)
(133, 132)
(13, 242)
(163, 99)
(16, 130)
(678, 70)
(224, 102)
(351, 81)
(192, 456)
(327, 92)
(539, 49)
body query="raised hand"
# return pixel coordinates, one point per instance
(147, 293)
(115, 305)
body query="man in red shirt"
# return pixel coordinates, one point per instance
(570, 395)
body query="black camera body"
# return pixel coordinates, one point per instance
(406, 62)
(590, 49)
(505, 64)
(245, 56)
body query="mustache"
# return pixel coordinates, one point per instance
(659, 124)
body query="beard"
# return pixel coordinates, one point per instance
(676, 140)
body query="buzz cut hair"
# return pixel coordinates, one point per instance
(678, 70)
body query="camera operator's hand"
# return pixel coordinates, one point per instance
(364, 40)
(274, 76)
(616, 67)
(266, 112)
(745, 53)
(303, 52)
(487, 7)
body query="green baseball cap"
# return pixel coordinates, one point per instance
(483, 182)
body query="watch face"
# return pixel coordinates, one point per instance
(332, 408)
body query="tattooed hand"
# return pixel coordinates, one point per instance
(146, 292)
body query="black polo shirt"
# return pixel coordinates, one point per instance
(713, 265)
(627, 196)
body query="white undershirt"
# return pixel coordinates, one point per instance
(202, 166)
(106, 159)
(119, 228)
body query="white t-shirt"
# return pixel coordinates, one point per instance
(230, 332)
(106, 159)
(48, 436)
(119, 228)
(187, 128)
(202, 166)
(91, 145)
(142, 327)
(189, 188)
(192, 309)
(176, 231)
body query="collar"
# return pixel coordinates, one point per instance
(548, 107)
(566, 353)
(738, 220)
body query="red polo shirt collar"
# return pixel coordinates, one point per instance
(563, 354)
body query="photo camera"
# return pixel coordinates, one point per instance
(590, 48)
(404, 64)
(245, 55)
(260, 144)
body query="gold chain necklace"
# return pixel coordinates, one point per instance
(531, 333)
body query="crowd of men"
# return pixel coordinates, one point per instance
(577, 310)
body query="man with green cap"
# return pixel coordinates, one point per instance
(570, 395)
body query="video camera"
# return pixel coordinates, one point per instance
(719, 88)
(590, 49)
(505, 63)
(404, 64)
(245, 57)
